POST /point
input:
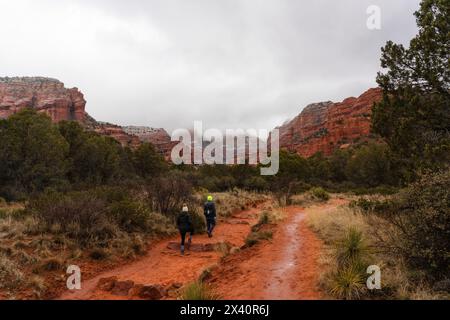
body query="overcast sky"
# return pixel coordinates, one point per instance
(229, 63)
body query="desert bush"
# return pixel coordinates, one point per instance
(268, 217)
(158, 224)
(81, 215)
(372, 241)
(167, 193)
(98, 254)
(237, 200)
(130, 215)
(198, 291)
(93, 218)
(38, 285)
(348, 282)
(264, 218)
(352, 248)
(52, 264)
(420, 216)
(319, 194)
(10, 274)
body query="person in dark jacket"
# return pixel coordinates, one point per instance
(184, 224)
(209, 210)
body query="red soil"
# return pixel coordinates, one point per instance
(285, 267)
(165, 266)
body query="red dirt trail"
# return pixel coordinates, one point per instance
(165, 266)
(285, 267)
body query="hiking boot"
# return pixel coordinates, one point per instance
(209, 235)
(182, 250)
(189, 243)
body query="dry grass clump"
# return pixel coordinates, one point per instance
(228, 203)
(311, 198)
(352, 245)
(198, 291)
(38, 285)
(10, 275)
(256, 236)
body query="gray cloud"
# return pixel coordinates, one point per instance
(230, 63)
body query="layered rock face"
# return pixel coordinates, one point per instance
(327, 126)
(43, 94)
(320, 127)
(156, 136)
(117, 132)
(51, 97)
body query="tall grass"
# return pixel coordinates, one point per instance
(351, 244)
(198, 291)
(10, 276)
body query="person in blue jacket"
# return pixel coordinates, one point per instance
(209, 210)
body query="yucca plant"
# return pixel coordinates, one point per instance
(198, 291)
(352, 249)
(348, 282)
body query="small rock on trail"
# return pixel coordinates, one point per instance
(122, 288)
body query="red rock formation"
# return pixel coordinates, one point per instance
(156, 136)
(117, 132)
(51, 97)
(326, 126)
(43, 94)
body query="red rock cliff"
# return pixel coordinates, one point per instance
(43, 94)
(156, 136)
(326, 126)
(51, 97)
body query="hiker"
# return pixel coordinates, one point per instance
(184, 224)
(210, 215)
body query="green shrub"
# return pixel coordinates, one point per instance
(81, 215)
(352, 249)
(130, 215)
(319, 194)
(347, 281)
(421, 217)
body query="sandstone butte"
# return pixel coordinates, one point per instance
(49, 96)
(327, 126)
(322, 127)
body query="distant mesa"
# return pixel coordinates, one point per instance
(43, 94)
(320, 127)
